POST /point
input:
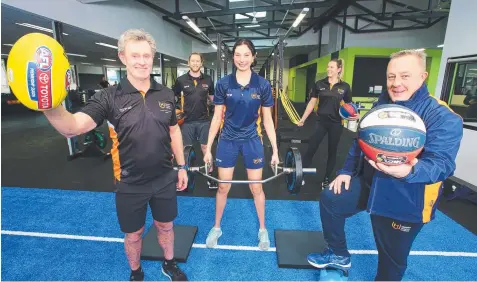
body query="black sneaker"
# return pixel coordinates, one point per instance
(173, 271)
(137, 275)
(325, 183)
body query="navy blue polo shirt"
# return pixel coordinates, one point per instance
(243, 105)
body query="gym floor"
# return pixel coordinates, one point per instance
(59, 220)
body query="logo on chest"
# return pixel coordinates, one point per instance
(255, 96)
(341, 91)
(205, 86)
(165, 106)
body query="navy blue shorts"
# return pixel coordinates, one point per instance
(251, 150)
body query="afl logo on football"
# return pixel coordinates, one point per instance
(395, 132)
(44, 58)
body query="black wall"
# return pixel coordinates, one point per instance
(310, 80)
(369, 72)
(298, 60)
(89, 81)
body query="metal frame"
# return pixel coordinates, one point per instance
(322, 13)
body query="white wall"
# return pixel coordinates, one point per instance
(460, 40)
(467, 157)
(111, 18)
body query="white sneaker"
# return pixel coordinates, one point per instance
(264, 242)
(213, 237)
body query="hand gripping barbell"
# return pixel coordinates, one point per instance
(292, 169)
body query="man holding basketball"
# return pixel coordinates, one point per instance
(402, 198)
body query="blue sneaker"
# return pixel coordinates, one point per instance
(328, 259)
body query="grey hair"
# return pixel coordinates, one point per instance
(136, 35)
(418, 53)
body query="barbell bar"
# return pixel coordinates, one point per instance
(292, 168)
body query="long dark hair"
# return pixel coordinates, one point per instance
(248, 42)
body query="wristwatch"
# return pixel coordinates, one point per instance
(182, 167)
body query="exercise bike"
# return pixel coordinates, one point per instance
(94, 141)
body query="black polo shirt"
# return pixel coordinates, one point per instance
(196, 93)
(330, 99)
(139, 129)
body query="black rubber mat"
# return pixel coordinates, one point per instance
(183, 239)
(293, 247)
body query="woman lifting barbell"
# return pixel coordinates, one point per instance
(329, 93)
(239, 99)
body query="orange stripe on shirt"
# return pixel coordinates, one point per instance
(259, 120)
(442, 103)
(431, 192)
(115, 153)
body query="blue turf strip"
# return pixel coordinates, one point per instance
(93, 214)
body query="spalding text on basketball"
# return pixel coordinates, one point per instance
(394, 141)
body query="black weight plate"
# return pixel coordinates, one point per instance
(189, 155)
(294, 180)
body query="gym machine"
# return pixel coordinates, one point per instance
(283, 108)
(223, 55)
(94, 141)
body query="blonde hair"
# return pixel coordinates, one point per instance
(340, 64)
(418, 53)
(136, 35)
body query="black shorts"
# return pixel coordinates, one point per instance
(195, 130)
(131, 207)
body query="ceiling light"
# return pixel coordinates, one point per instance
(38, 27)
(111, 60)
(86, 63)
(11, 45)
(252, 25)
(191, 24)
(76, 55)
(231, 1)
(300, 17)
(420, 49)
(167, 60)
(440, 46)
(253, 14)
(107, 45)
(214, 46)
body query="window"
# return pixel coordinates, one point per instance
(460, 87)
(5, 87)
